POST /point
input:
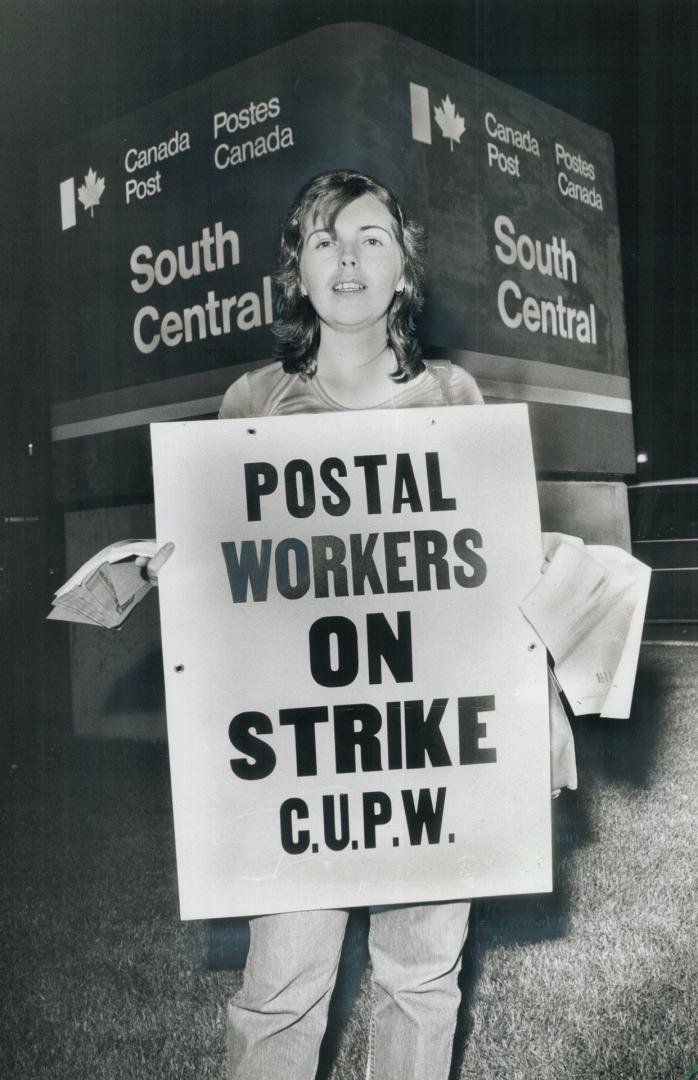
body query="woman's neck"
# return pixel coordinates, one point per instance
(355, 367)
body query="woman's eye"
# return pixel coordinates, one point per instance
(373, 241)
(323, 244)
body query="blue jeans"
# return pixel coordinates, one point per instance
(277, 1020)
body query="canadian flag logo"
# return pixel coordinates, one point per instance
(451, 124)
(89, 194)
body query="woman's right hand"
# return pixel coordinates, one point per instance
(153, 566)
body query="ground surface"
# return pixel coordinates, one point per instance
(100, 980)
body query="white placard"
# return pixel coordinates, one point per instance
(357, 709)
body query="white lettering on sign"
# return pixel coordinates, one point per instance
(553, 317)
(589, 196)
(143, 188)
(136, 158)
(212, 251)
(214, 317)
(552, 259)
(504, 133)
(227, 154)
(507, 163)
(277, 139)
(574, 162)
(252, 114)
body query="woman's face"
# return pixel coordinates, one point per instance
(351, 273)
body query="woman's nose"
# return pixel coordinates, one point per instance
(348, 257)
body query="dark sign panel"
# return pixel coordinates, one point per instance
(161, 232)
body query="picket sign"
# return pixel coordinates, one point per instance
(357, 709)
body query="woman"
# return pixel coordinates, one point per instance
(350, 286)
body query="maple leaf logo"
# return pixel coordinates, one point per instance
(91, 191)
(452, 125)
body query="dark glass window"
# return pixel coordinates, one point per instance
(664, 513)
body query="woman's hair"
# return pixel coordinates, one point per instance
(297, 326)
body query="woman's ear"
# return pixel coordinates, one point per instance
(400, 287)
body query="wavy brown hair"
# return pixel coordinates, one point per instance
(297, 326)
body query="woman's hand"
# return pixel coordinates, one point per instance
(152, 567)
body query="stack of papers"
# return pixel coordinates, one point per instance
(107, 587)
(589, 609)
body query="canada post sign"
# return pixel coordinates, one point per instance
(162, 228)
(357, 710)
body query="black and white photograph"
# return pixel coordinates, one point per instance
(349, 540)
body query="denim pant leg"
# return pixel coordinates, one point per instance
(277, 1020)
(416, 956)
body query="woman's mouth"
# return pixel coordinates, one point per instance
(350, 286)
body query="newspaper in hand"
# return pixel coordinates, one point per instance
(107, 587)
(589, 608)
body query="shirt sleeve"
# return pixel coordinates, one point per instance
(464, 389)
(237, 400)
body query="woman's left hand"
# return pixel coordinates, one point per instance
(152, 567)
